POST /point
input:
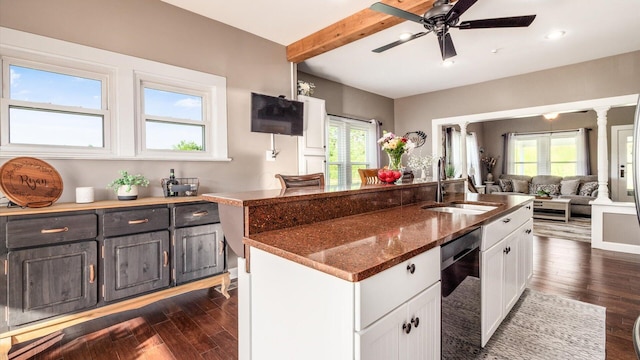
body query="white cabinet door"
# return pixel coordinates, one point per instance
(492, 288)
(525, 255)
(385, 339)
(511, 286)
(424, 338)
(312, 143)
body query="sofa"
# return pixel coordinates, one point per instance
(580, 189)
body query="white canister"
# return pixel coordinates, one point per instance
(84, 195)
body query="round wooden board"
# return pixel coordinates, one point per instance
(30, 182)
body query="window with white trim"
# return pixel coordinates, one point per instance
(101, 104)
(545, 154)
(352, 146)
(54, 106)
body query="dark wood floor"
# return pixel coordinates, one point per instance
(203, 324)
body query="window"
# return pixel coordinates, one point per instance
(473, 155)
(172, 118)
(557, 153)
(352, 146)
(49, 105)
(101, 104)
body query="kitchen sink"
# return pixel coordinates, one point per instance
(463, 208)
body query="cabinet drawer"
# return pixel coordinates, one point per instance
(383, 292)
(135, 221)
(51, 230)
(196, 214)
(505, 225)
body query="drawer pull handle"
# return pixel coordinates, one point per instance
(411, 268)
(139, 221)
(406, 328)
(220, 247)
(528, 231)
(166, 258)
(507, 250)
(506, 220)
(92, 274)
(200, 213)
(54, 231)
(528, 207)
(415, 321)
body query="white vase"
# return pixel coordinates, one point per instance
(489, 177)
(128, 193)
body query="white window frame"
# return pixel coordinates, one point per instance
(344, 160)
(543, 148)
(122, 135)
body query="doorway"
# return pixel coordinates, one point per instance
(621, 171)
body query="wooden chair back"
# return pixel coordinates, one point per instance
(296, 181)
(369, 176)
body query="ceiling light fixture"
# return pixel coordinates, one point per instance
(405, 36)
(551, 116)
(494, 51)
(554, 35)
(448, 63)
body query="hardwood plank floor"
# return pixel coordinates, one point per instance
(203, 324)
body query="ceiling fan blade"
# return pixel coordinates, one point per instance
(458, 9)
(390, 10)
(446, 46)
(516, 21)
(396, 43)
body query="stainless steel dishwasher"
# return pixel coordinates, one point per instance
(460, 274)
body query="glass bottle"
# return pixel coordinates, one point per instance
(170, 183)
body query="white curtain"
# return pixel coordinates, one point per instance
(582, 143)
(473, 158)
(456, 156)
(374, 129)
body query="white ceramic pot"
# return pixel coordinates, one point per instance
(128, 193)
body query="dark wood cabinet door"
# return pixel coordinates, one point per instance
(52, 280)
(136, 264)
(199, 252)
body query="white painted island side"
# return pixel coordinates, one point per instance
(298, 312)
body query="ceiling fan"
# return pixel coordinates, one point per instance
(444, 15)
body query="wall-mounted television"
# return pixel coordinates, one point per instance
(276, 115)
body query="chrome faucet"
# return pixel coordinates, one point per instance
(440, 190)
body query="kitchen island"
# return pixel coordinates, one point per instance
(333, 288)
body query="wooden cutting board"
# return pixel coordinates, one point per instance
(30, 182)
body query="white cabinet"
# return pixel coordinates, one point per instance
(301, 313)
(412, 331)
(311, 146)
(506, 268)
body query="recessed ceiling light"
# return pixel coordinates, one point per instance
(551, 116)
(448, 63)
(494, 51)
(554, 35)
(405, 36)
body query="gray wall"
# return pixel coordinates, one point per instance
(607, 77)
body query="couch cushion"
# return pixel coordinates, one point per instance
(545, 179)
(578, 199)
(506, 185)
(587, 188)
(569, 187)
(520, 186)
(551, 189)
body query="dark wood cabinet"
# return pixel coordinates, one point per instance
(199, 252)
(136, 264)
(51, 280)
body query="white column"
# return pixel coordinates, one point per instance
(463, 148)
(603, 163)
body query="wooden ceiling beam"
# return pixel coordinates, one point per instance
(357, 26)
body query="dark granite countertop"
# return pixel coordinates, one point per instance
(359, 246)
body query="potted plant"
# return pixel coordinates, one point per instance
(450, 171)
(126, 186)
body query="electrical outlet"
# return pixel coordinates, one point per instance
(270, 156)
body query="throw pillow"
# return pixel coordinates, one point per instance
(506, 185)
(569, 187)
(520, 186)
(588, 188)
(551, 189)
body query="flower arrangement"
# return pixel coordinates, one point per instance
(489, 163)
(127, 180)
(395, 146)
(419, 162)
(305, 88)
